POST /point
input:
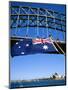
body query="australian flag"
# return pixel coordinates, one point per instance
(27, 46)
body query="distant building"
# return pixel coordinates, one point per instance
(56, 76)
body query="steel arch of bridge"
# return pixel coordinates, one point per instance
(21, 17)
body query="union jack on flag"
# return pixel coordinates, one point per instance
(41, 41)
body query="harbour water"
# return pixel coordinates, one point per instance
(41, 83)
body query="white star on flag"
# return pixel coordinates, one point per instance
(45, 47)
(22, 52)
(19, 47)
(27, 45)
(16, 42)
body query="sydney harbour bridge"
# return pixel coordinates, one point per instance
(31, 22)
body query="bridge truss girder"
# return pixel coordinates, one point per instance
(21, 17)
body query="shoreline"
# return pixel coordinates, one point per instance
(34, 80)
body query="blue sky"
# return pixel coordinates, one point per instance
(38, 65)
